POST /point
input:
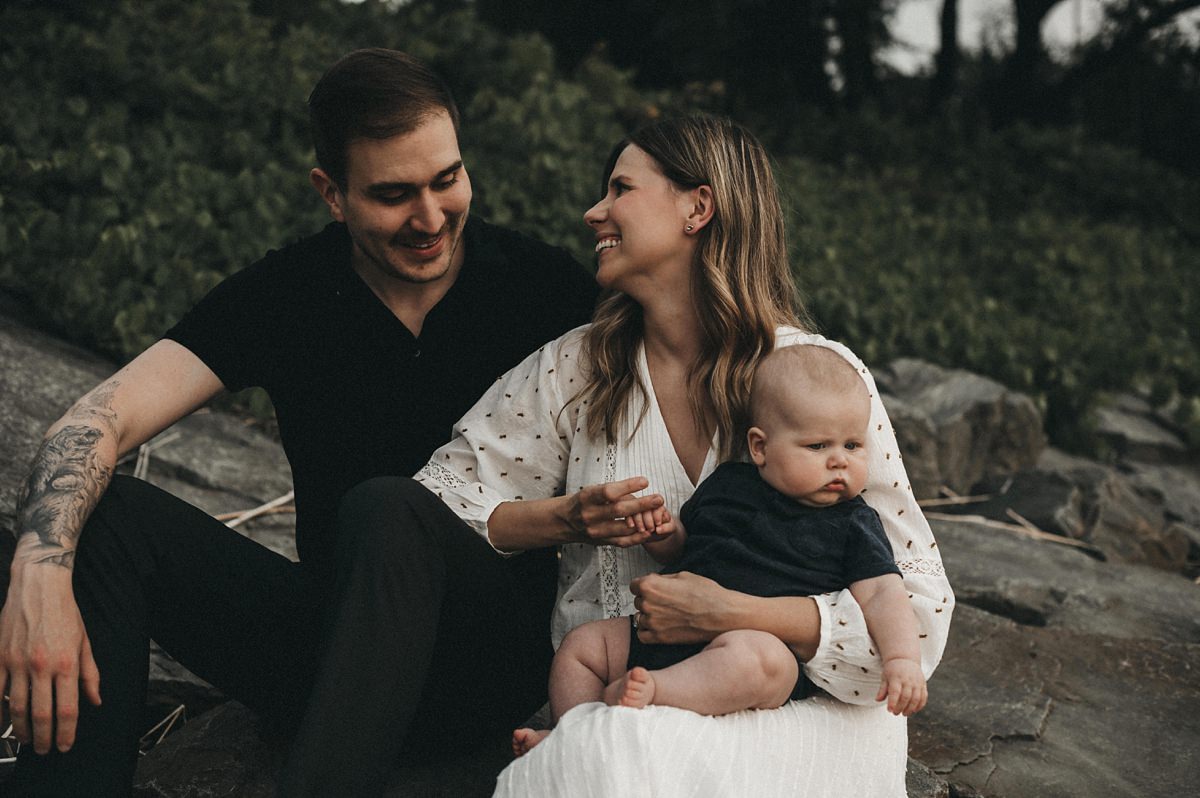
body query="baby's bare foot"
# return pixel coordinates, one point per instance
(634, 689)
(523, 740)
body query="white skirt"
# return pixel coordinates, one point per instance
(814, 748)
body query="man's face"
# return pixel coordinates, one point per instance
(405, 203)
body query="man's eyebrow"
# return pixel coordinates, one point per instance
(377, 188)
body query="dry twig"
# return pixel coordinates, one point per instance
(240, 518)
(1027, 530)
(954, 500)
(163, 728)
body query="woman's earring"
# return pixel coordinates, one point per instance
(688, 229)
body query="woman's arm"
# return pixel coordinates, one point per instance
(594, 515)
(504, 471)
(688, 608)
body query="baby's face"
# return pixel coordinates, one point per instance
(815, 451)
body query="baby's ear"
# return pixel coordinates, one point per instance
(756, 442)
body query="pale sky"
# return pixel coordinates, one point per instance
(915, 26)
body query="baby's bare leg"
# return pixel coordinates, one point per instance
(738, 670)
(590, 657)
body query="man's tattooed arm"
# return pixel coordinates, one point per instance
(70, 472)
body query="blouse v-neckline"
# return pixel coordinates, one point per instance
(660, 426)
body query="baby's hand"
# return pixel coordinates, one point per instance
(903, 685)
(657, 522)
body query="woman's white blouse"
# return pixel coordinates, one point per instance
(526, 439)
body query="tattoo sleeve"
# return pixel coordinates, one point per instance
(68, 476)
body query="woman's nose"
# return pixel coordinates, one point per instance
(597, 213)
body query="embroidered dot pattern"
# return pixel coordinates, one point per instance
(535, 466)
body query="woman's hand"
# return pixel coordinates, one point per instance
(681, 608)
(610, 514)
(688, 608)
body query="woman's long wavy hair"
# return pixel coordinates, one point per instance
(741, 281)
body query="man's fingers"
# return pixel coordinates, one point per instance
(18, 705)
(42, 711)
(89, 674)
(66, 710)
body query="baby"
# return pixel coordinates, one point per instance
(789, 523)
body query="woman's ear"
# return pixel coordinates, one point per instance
(756, 442)
(701, 211)
(329, 191)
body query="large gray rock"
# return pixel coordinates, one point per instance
(982, 428)
(1078, 680)
(1134, 432)
(918, 444)
(1045, 584)
(1131, 528)
(1018, 711)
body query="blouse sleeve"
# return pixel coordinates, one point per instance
(513, 444)
(847, 663)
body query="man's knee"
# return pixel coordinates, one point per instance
(386, 513)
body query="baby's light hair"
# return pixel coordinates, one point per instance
(790, 374)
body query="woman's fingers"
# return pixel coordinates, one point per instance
(612, 491)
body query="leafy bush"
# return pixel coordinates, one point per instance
(1058, 266)
(150, 148)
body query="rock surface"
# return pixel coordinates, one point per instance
(1065, 675)
(981, 427)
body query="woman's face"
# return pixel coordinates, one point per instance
(641, 244)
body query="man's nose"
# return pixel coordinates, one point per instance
(427, 216)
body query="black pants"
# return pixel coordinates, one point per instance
(423, 636)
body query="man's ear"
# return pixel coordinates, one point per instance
(329, 191)
(702, 208)
(756, 442)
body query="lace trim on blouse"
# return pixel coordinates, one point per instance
(610, 586)
(921, 567)
(442, 475)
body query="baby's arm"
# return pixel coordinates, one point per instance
(669, 536)
(893, 627)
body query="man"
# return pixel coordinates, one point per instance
(372, 338)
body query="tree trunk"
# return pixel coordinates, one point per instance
(945, 78)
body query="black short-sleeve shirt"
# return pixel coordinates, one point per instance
(356, 394)
(751, 538)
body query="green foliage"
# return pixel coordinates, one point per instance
(150, 148)
(141, 163)
(1058, 266)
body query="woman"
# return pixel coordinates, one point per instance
(690, 245)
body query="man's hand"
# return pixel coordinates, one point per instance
(903, 685)
(44, 657)
(679, 608)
